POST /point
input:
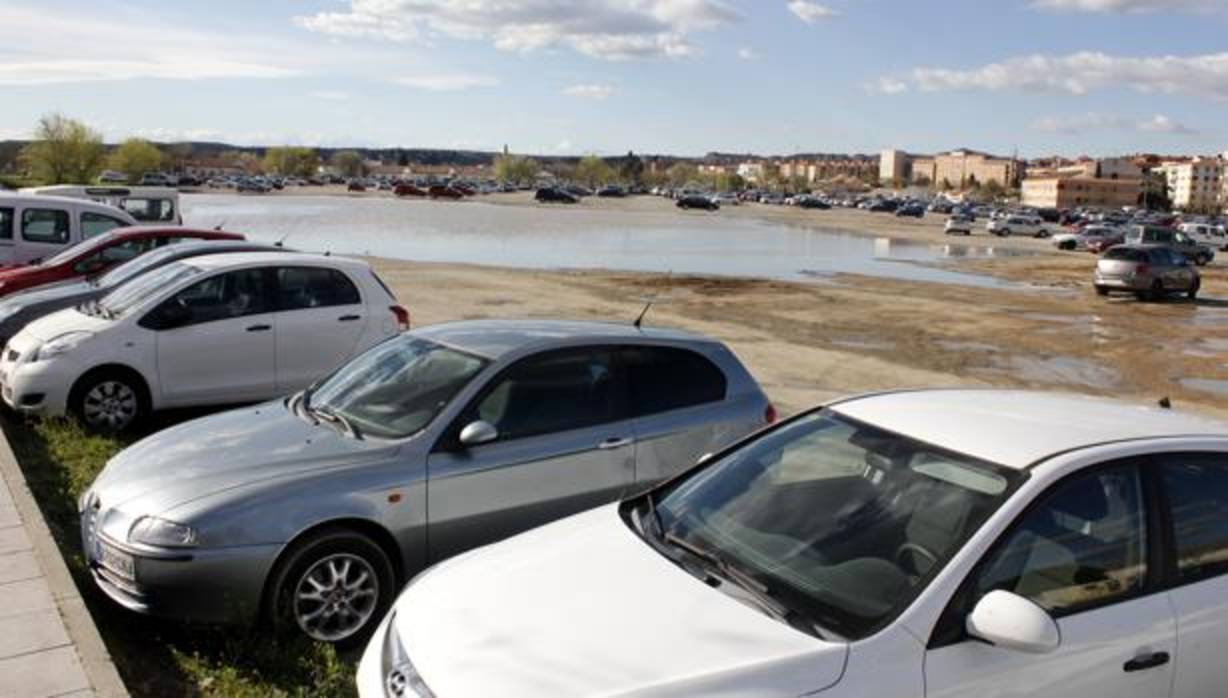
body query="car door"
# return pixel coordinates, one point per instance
(320, 318)
(1196, 497)
(563, 446)
(220, 347)
(1081, 552)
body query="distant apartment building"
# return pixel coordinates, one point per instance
(894, 166)
(1194, 185)
(1076, 191)
(956, 169)
(750, 171)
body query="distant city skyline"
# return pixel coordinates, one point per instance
(676, 77)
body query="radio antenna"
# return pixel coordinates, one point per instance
(282, 240)
(640, 318)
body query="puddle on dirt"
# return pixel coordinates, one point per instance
(1207, 385)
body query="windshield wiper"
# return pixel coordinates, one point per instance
(335, 418)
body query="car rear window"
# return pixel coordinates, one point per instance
(314, 287)
(669, 378)
(1126, 254)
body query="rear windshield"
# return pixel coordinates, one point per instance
(1126, 254)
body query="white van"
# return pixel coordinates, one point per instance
(1210, 235)
(34, 227)
(149, 205)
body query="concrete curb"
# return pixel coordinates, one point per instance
(91, 650)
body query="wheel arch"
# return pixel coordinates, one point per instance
(142, 381)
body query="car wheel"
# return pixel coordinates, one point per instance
(1070, 245)
(1042, 233)
(1192, 294)
(109, 399)
(1157, 291)
(1102, 291)
(1201, 260)
(333, 586)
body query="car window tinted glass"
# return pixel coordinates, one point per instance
(223, 297)
(6, 224)
(123, 300)
(314, 287)
(1126, 254)
(93, 224)
(397, 388)
(667, 378)
(549, 393)
(111, 255)
(150, 210)
(133, 268)
(1082, 545)
(44, 225)
(845, 522)
(1197, 488)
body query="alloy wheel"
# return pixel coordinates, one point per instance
(335, 597)
(110, 404)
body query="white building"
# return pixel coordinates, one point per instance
(1194, 185)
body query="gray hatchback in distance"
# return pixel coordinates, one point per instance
(314, 510)
(1150, 272)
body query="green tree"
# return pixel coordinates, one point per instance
(592, 171)
(134, 157)
(292, 161)
(515, 169)
(631, 169)
(64, 151)
(680, 173)
(728, 181)
(349, 163)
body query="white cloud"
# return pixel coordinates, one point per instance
(609, 29)
(748, 54)
(174, 135)
(1094, 121)
(590, 91)
(1130, 6)
(887, 86)
(330, 95)
(1079, 73)
(445, 82)
(36, 42)
(562, 146)
(811, 12)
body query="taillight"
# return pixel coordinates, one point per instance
(769, 414)
(402, 317)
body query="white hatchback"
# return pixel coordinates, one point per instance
(216, 329)
(945, 543)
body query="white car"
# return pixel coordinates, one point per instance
(726, 199)
(1213, 236)
(953, 543)
(1017, 225)
(216, 329)
(958, 225)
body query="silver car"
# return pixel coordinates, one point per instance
(315, 509)
(1150, 272)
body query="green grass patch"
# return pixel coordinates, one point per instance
(156, 657)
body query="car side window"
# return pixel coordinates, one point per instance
(1197, 489)
(1082, 545)
(111, 255)
(45, 225)
(669, 378)
(314, 287)
(93, 224)
(6, 224)
(551, 392)
(149, 210)
(220, 297)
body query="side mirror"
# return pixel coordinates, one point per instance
(478, 433)
(1012, 622)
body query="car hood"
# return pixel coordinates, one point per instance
(224, 451)
(62, 322)
(585, 607)
(57, 292)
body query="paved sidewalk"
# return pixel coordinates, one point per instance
(48, 643)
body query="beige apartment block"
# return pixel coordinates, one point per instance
(959, 168)
(1194, 185)
(1070, 192)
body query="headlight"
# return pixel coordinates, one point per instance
(60, 345)
(150, 530)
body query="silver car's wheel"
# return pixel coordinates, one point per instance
(335, 597)
(110, 405)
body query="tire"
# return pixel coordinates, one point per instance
(1102, 291)
(1192, 293)
(1157, 291)
(350, 573)
(1201, 260)
(1042, 233)
(110, 400)
(1068, 246)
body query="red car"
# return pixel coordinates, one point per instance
(439, 191)
(100, 253)
(408, 190)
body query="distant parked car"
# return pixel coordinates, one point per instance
(612, 191)
(882, 206)
(913, 210)
(726, 199)
(578, 191)
(430, 444)
(408, 190)
(1159, 235)
(958, 224)
(812, 202)
(1011, 225)
(355, 185)
(217, 329)
(1081, 239)
(20, 309)
(697, 201)
(555, 195)
(1148, 271)
(443, 191)
(99, 254)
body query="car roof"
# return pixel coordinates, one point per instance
(1018, 428)
(28, 198)
(496, 338)
(210, 262)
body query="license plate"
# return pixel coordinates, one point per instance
(116, 561)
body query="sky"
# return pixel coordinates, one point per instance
(683, 77)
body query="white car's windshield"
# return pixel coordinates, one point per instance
(839, 521)
(122, 300)
(397, 388)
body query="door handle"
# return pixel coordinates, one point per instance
(349, 318)
(259, 328)
(1146, 661)
(613, 443)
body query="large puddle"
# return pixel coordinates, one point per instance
(474, 232)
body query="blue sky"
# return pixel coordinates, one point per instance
(662, 76)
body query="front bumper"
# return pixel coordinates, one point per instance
(37, 388)
(204, 585)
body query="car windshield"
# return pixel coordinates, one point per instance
(841, 522)
(80, 249)
(136, 266)
(123, 300)
(397, 388)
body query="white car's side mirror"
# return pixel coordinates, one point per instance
(478, 433)
(1012, 622)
